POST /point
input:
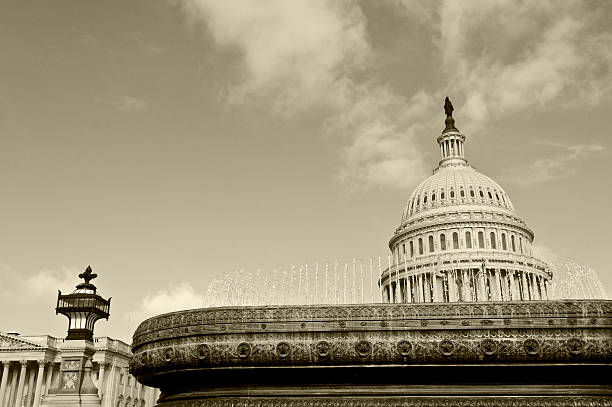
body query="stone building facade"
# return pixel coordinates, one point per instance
(30, 367)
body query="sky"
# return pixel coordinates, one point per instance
(167, 143)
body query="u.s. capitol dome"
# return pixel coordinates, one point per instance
(460, 238)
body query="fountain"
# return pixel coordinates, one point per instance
(462, 317)
(238, 351)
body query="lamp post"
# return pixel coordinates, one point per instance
(83, 307)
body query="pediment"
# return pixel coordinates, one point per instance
(8, 342)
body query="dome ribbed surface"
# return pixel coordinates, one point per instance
(456, 185)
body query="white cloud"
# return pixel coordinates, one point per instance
(503, 57)
(304, 54)
(545, 252)
(293, 52)
(40, 287)
(559, 166)
(496, 58)
(129, 103)
(176, 298)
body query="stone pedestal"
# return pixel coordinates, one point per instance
(73, 386)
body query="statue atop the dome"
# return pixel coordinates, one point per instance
(448, 107)
(450, 122)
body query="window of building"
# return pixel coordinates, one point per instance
(404, 248)
(481, 193)
(521, 245)
(504, 245)
(493, 241)
(425, 199)
(490, 196)
(462, 193)
(442, 241)
(472, 193)
(411, 249)
(433, 197)
(431, 244)
(455, 240)
(452, 193)
(420, 245)
(442, 195)
(481, 243)
(512, 243)
(468, 240)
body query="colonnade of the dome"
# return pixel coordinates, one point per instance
(468, 277)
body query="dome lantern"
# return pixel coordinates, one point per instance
(451, 140)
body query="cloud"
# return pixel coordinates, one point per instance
(301, 55)
(90, 40)
(176, 298)
(494, 58)
(558, 166)
(40, 287)
(545, 253)
(503, 57)
(127, 103)
(293, 52)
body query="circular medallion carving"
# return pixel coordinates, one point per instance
(551, 321)
(283, 349)
(465, 322)
(404, 348)
(168, 354)
(264, 326)
(446, 347)
(488, 347)
(202, 351)
(507, 322)
(531, 346)
(423, 323)
(342, 324)
(383, 324)
(244, 350)
(575, 346)
(444, 322)
(363, 348)
(323, 348)
(303, 325)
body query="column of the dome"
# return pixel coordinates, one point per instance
(494, 284)
(482, 294)
(465, 286)
(452, 286)
(526, 294)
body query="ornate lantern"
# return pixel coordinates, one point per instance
(83, 307)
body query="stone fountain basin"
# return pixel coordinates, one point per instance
(377, 350)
